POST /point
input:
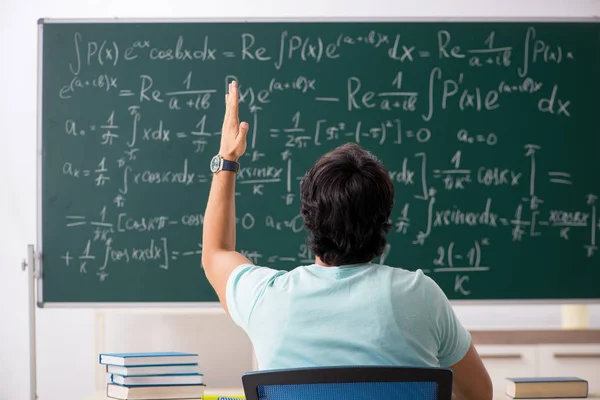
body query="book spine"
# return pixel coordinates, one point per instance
(107, 395)
(587, 389)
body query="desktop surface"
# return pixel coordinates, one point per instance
(237, 391)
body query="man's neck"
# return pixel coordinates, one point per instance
(320, 262)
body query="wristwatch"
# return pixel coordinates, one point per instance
(218, 163)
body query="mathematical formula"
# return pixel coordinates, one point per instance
(436, 166)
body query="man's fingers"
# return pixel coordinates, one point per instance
(227, 107)
(233, 102)
(243, 129)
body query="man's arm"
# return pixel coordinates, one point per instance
(219, 257)
(456, 349)
(471, 380)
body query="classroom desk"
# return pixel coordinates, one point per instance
(502, 396)
(211, 391)
(497, 395)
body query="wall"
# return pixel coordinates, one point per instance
(66, 353)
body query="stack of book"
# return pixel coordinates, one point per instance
(546, 388)
(152, 376)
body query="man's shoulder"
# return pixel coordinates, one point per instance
(245, 271)
(402, 273)
(260, 270)
(250, 274)
(404, 280)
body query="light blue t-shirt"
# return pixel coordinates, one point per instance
(366, 314)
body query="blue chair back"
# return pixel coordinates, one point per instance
(349, 383)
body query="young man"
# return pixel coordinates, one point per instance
(343, 309)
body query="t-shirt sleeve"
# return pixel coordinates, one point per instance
(454, 339)
(245, 286)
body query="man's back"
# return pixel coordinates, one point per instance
(366, 314)
(335, 312)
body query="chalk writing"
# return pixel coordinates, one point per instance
(466, 185)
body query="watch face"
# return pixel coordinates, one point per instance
(214, 164)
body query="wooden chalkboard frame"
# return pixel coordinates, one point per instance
(36, 259)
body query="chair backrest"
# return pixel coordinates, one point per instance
(349, 383)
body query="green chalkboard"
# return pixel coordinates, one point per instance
(490, 131)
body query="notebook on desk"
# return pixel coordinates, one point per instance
(546, 388)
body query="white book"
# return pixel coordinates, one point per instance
(157, 380)
(129, 359)
(154, 392)
(141, 370)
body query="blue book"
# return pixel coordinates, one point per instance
(546, 388)
(157, 380)
(144, 370)
(154, 359)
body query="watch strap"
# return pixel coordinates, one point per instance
(228, 165)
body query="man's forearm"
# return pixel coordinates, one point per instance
(219, 219)
(219, 258)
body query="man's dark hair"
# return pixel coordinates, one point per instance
(347, 198)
